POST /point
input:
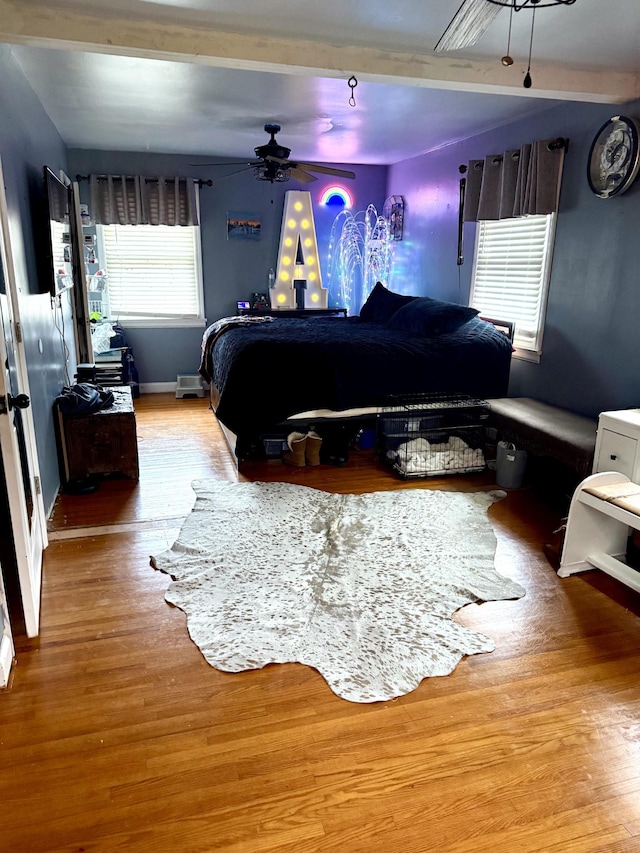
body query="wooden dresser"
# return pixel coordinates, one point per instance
(104, 442)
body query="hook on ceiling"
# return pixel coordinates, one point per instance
(352, 83)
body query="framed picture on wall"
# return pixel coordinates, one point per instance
(393, 212)
(243, 225)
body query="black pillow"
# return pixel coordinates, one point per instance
(425, 316)
(382, 304)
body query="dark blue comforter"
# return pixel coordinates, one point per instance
(266, 373)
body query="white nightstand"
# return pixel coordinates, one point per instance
(618, 443)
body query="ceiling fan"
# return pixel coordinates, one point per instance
(272, 163)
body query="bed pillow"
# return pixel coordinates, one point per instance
(382, 304)
(425, 316)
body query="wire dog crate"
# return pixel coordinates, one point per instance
(433, 435)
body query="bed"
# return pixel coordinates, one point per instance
(269, 373)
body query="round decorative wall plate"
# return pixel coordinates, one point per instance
(614, 158)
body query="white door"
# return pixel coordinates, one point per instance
(17, 439)
(6, 640)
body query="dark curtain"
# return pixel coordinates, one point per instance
(135, 200)
(520, 182)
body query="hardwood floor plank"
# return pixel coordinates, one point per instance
(116, 735)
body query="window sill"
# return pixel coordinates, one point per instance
(193, 323)
(527, 355)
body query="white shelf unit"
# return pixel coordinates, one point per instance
(598, 530)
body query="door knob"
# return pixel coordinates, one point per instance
(20, 401)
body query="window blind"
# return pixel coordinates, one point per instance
(511, 274)
(153, 272)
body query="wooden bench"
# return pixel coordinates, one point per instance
(603, 508)
(545, 430)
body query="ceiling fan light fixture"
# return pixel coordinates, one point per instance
(272, 173)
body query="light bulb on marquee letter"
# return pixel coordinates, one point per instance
(298, 278)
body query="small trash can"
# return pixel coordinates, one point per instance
(510, 465)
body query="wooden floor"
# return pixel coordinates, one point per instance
(115, 735)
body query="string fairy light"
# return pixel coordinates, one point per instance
(360, 254)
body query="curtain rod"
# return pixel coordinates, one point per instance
(198, 181)
(560, 142)
(554, 145)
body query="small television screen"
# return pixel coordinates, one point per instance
(58, 200)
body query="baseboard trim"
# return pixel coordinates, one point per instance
(163, 387)
(53, 503)
(157, 387)
(6, 659)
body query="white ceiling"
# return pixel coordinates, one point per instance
(202, 77)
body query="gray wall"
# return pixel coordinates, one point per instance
(232, 270)
(591, 357)
(28, 141)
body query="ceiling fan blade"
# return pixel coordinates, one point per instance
(233, 163)
(301, 175)
(468, 25)
(327, 170)
(231, 174)
(310, 167)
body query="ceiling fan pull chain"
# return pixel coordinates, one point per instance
(352, 83)
(507, 59)
(527, 82)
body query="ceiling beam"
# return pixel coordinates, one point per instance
(43, 26)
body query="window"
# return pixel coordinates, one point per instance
(154, 275)
(511, 272)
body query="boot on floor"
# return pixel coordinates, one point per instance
(312, 449)
(335, 447)
(295, 455)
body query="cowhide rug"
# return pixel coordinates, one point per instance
(361, 587)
